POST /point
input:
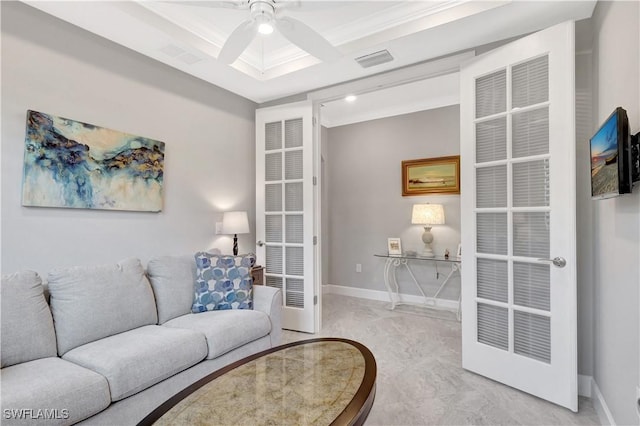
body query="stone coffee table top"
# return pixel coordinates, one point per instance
(312, 382)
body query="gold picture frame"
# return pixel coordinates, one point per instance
(431, 176)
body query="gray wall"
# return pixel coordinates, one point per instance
(616, 222)
(325, 215)
(365, 189)
(584, 217)
(53, 67)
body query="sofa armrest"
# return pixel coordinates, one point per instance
(269, 300)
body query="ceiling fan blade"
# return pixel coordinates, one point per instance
(288, 4)
(307, 39)
(228, 4)
(238, 41)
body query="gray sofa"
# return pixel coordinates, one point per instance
(116, 341)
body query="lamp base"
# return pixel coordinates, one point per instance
(427, 239)
(427, 252)
(235, 244)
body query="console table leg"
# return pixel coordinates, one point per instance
(387, 271)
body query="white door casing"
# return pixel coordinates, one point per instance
(285, 208)
(519, 323)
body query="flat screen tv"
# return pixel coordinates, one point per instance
(610, 157)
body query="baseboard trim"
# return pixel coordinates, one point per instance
(383, 296)
(584, 385)
(604, 414)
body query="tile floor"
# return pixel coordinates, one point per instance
(420, 381)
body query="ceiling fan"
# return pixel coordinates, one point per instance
(263, 18)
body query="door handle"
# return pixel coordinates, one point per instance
(260, 244)
(560, 262)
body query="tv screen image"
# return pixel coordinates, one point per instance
(604, 158)
(610, 159)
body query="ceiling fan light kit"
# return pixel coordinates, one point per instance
(265, 28)
(263, 19)
(263, 13)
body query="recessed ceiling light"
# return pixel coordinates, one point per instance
(265, 28)
(351, 98)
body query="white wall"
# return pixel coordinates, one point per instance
(365, 189)
(53, 67)
(616, 224)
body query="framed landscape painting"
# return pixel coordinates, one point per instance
(431, 176)
(72, 164)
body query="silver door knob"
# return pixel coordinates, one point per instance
(560, 262)
(260, 243)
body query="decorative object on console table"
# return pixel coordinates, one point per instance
(235, 223)
(427, 215)
(431, 176)
(394, 246)
(257, 273)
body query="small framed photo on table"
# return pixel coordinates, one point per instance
(394, 246)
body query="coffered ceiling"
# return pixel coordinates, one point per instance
(189, 35)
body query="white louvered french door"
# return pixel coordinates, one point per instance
(518, 174)
(285, 208)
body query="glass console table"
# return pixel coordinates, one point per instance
(391, 283)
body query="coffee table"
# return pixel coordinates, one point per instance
(324, 381)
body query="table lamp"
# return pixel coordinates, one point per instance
(427, 215)
(235, 223)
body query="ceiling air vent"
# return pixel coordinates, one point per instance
(374, 59)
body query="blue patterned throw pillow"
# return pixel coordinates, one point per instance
(223, 282)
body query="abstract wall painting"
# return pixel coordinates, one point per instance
(78, 165)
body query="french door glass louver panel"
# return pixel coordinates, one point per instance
(274, 259)
(294, 228)
(295, 261)
(531, 184)
(530, 130)
(274, 281)
(295, 293)
(293, 165)
(532, 336)
(293, 197)
(530, 82)
(493, 326)
(492, 280)
(273, 197)
(491, 186)
(491, 94)
(531, 285)
(273, 136)
(491, 140)
(273, 228)
(273, 166)
(531, 234)
(293, 133)
(492, 233)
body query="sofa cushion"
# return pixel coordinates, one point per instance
(223, 282)
(139, 358)
(172, 279)
(26, 323)
(225, 330)
(51, 391)
(89, 303)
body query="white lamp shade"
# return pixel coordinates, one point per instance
(427, 214)
(235, 223)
